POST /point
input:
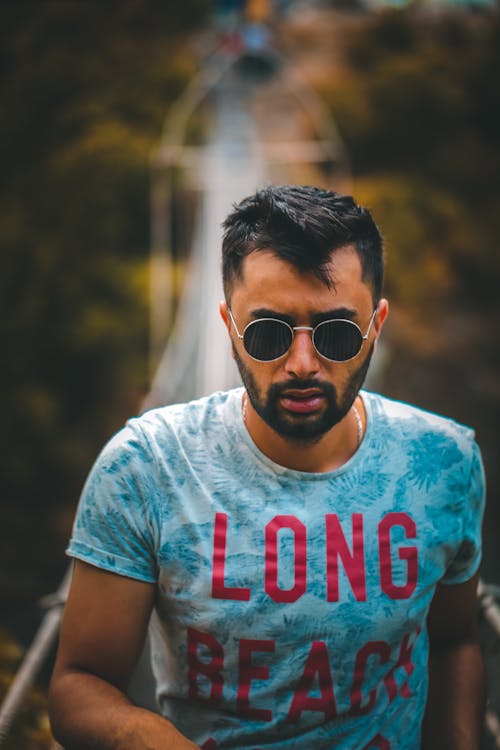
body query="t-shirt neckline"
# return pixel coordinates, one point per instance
(236, 425)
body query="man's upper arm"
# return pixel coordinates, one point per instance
(453, 614)
(104, 624)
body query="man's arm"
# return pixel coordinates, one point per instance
(455, 705)
(102, 634)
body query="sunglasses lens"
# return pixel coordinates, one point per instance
(267, 339)
(338, 340)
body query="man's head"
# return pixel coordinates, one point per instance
(309, 262)
(303, 226)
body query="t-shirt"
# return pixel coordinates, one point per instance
(291, 606)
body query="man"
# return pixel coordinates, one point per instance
(309, 550)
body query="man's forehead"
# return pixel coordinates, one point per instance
(272, 284)
(343, 263)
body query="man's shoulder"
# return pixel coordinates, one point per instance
(191, 418)
(158, 432)
(415, 423)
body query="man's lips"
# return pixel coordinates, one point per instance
(302, 401)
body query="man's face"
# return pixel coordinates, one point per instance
(302, 395)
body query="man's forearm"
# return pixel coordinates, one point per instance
(455, 706)
(88, 713)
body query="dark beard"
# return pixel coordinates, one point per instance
(303, 428)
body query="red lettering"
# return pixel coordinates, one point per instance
(404, 661)
(211, 669)
(378, 742)
(317, 664)
(371, 648)
(219, 588)
(354, 563)
(409, 554)
(300, 559)
(248, 672)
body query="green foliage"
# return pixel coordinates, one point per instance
(30, 730)
(425, 89)
(87, 86)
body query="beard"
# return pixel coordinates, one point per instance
(303, 428)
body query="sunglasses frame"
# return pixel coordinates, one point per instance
(313, 330)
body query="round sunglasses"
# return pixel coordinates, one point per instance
(337, 340)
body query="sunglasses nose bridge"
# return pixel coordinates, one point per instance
(302, 329)
(302, 355)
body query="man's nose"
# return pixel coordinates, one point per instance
(302, 360)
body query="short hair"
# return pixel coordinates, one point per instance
(302, 225)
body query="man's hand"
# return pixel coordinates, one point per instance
(103, 631)
(455, 706)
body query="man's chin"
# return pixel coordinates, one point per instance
(302, 428)
(302, 436)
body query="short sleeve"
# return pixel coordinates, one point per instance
(468, 556)
(114, 524)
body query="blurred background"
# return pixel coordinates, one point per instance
(127, 129)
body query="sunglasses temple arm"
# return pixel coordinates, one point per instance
(240, 336)
(370, 325)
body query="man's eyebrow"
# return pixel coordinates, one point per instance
(266, 312)
(337, 312)
(346, 313)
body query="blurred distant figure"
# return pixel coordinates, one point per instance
(243, 25)
(258, 11)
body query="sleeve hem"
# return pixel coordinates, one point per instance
(110, 562)
(462, 577)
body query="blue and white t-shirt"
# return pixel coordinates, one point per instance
(291, 606)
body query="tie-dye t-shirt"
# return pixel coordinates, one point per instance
(291, 606)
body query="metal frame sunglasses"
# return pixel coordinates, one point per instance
(269, 339)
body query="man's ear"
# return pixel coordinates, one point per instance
(382, 313)
(224, 313)
(380, 317)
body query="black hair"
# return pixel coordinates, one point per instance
(302, 225)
